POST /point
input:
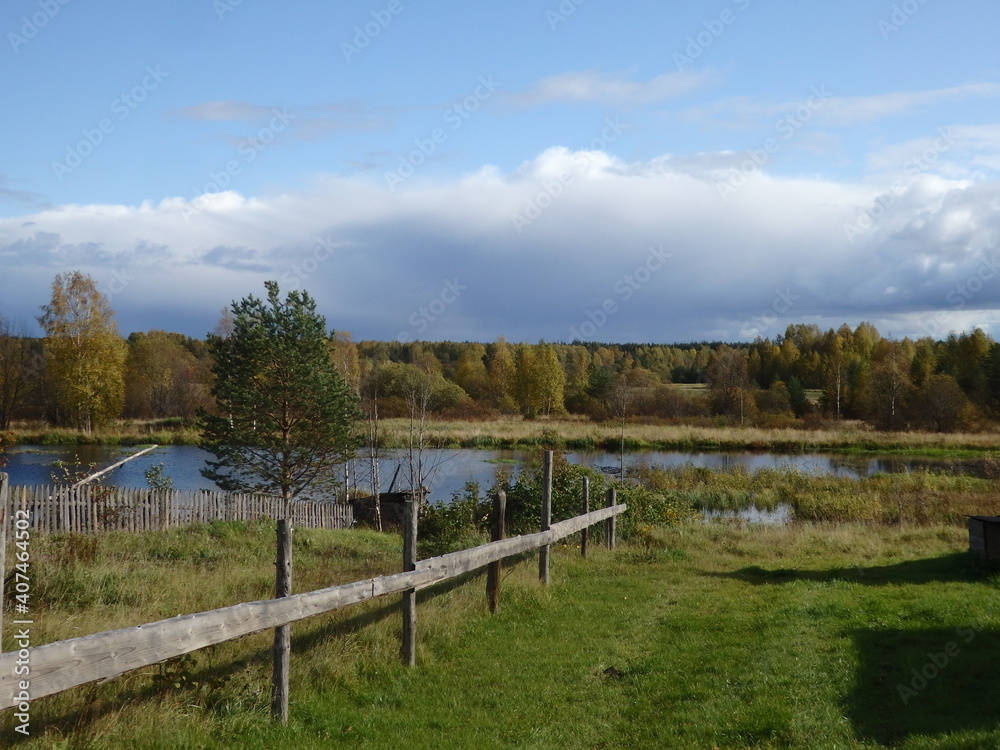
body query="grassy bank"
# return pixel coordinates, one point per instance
(582, 434)
(134, 432)
(919, 498)
(719, 636)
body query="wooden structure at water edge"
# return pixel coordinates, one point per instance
(984, 537)
(392, 504)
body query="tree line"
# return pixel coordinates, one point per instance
(83, 374)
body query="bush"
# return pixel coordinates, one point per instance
(465, 521)
(524, 494)
(462, 523)
(649, 509)
(5, 439)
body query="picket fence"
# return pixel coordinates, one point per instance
(93, 508)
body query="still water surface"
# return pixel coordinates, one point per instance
(451, 469)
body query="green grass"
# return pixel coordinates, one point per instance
(127, 432)
(722, 636)
(919, 497)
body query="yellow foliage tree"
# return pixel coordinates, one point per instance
(502, 372)
(540, 381)
(84, 355)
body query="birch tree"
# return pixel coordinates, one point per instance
(84, 355)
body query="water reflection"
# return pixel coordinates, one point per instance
(447, 471)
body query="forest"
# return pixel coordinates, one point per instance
(82, 374)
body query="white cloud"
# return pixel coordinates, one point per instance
(957, 151)
(840, 110)
(855, 110)
(309, 123)
(589, 87)
(375, 258)
(26, 198)
(223, 110)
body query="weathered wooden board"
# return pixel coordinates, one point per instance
(65, 664)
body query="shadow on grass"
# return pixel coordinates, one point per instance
(923, 682)
(926, 682)
(957, 567)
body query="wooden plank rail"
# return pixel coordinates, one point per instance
(65, 664)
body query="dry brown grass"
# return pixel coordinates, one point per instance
(583, 433)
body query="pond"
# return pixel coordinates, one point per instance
(447, 471)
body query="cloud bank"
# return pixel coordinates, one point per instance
(569, 245)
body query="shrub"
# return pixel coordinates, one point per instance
(649, 509)
(524, 494)
(5, 439)
(462, 523)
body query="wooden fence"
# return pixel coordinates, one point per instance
(59, 666)
(91, 508)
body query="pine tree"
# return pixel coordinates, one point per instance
(797, 397)
(285, 414)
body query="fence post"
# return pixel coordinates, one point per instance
(4, 523)
(543, 551)
(64, 514)
(497, 532)
(609, 525)
(283, 633)
(161, 496)
(408, 652)
(585, 534)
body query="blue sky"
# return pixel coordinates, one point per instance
(583, 169)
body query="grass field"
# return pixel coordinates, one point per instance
(579, 433)
(125, 432)
(583, 434)
(918, 497)
(721, 636)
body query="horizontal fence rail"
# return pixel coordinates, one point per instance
(92, 508)
(65, 664)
